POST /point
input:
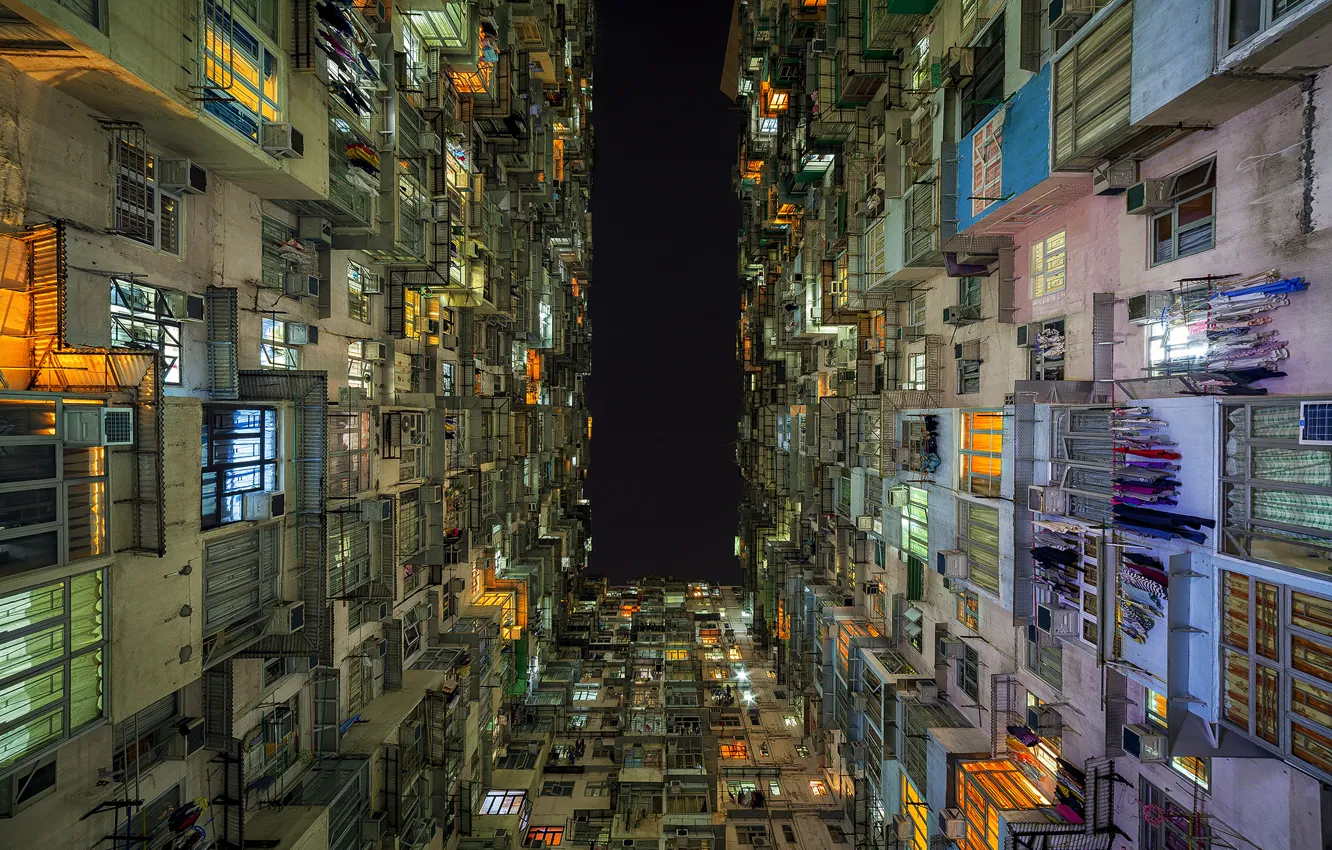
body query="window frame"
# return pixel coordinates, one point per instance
(359, 304)
(269, 435)
(1266, 21)
(1178, 199)
(546, 834)
(966, 519)
(968, 673)
(502, 802)
(127, 314)
(268, 104)
(980, 483)
(275, 352)
(361, 370)
(1039, 362)
(149, 201)
(1040, 272)
(968, 609)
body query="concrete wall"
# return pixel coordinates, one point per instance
(1174, 49)
(1024, 147)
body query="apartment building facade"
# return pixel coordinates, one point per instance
(998, 260)
(299, 290)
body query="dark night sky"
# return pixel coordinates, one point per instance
(665, 390)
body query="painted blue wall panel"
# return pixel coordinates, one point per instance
(1025, 148)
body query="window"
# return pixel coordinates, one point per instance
(968, 610)
(751, 834)
(1047, 265)
(599, 788)
(26, 787)
(817, 788)
(144, 212)
(557, 789)
(968, 377)
(275, 351)
(448, 378)
(360, 369)
(981, 454)
(360, 684)
(915, 374)
(143, 317)
(987, 162)
(916, 540)
(920, 77)
(141, 740)
(735, 750)
(1173, 348)
(349, 443)
(969, 292)
(584, 693)
(240, 451)
(503, 802)
(968, 673)
(1045, 657)
(788, 833)
(916, 317)
(1178, 826)
(243, 72)
(985, 89)
(1047, 351)
(918, 813)
(774, 788)
(835, 833)
(552, 835)
(978, 536)
(349, 559)
(1188, 227)
(52, 646)
(358, 300)
(1247, 18)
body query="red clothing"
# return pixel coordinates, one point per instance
(1159, 454)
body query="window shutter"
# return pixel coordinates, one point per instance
(223, 382)
(1092, 92)
(393, 663)
(397, 306)
(1029, 57)
(327, 720)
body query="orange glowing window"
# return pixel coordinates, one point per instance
(559, 160)
(574, 284)
(735, 750)
(981, 452)
(778, 100)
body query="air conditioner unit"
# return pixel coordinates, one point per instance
(372, 283)
(967, 350)
(953, 650)
(432, 326)
(898, 497)
(1148, 307)
(300, 285)
(1057, 621)
(281, 139)
(194, 309)
(1071, 14)
(865, 522)
(373, 351)
(818, 46)
(759, 841)
(1145, 743)
(377, 510)
(182, 175)
(1047, 500)
(432, 494)
(1149, 196)
(429, 142)
(1316, 423)
(372, 826)
(448, 341)
(954, 563)
(264, 504)
(961, 65)
(904, 133)
(954, 825)
(903, 828)
(287, 619)
(299, 333)
(1026, 335)
(191, 738)
(1113, 178)
(98, 426)
(315, 230)
(927, 693)
(681, 833)
(960, 316)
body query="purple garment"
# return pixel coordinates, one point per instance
(1129, 500)
(1152, 464)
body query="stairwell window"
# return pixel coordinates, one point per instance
(274, 351)
(240, 454)
(142, 317)
(981, 452)
(1047, 265)
(242, 69)
(1189, 226)
(142, 211)
(52, 659)
(1247, 18)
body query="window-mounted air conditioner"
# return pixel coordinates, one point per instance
(1047, 500)
(98, 426)
(1149, 196)
(374, 351)
(377, 510)
(953, 650)
(300, 285)
(265, 504)
(193, 309)
(372, 283)
(432, 326)
(182, 175)
(287, 619)
(1145, 743)
(315, 230)
(967, 350)
(1113, 178)
(1057, 621)
(953, 563)
(300, 333)
(429, 142)
(960, 316)
(954, 825)
(281, 140)
(372, 826)
(898, 497)
(927, 693)
(865, 522)
(432, 494)
(903, 828)
(1148, 307)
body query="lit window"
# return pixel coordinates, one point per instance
(54, 663)
(774, 788)
(920, 77)
(968, 609)
(243, 72)
(552, 835)
(276, 351)
(349, 446)
(360, 369)
(143, 316)
(817, 788)
(503, 802)
(735, 750)
(1047, 265)
(1172, 346)
(143, 211)
(358, 293)
(240, 451)
(1189, 226)
(982, 452)
(768, 126)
